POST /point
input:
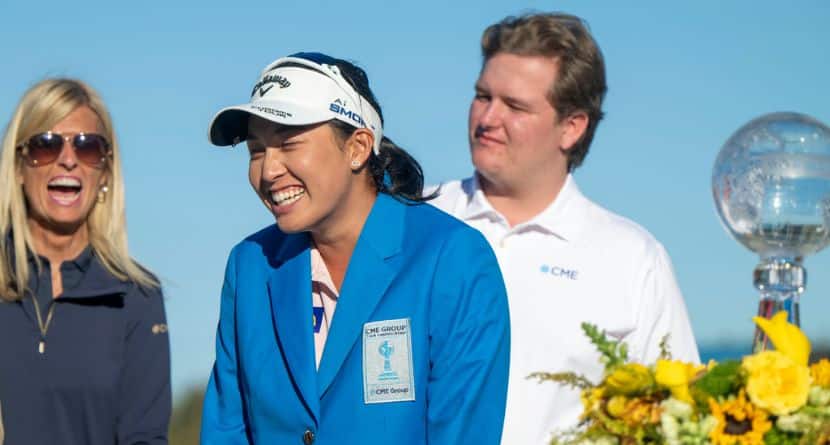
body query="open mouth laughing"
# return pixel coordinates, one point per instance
(64, 190)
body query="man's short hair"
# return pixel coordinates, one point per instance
(580, 81)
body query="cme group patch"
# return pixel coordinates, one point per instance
(387, 362)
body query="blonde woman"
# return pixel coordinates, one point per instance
(82, 326)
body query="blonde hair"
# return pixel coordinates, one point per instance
(40, 109)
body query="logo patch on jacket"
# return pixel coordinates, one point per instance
(387, 362)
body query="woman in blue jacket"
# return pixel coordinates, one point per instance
(362, 316)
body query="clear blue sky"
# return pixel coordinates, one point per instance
(682, 77)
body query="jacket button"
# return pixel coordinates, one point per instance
(308, 437)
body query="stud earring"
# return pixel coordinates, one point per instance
(355, 163)
(102, 194)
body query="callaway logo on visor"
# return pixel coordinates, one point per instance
(268, 81)
(301, 89)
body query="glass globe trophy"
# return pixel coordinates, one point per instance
(771, 185)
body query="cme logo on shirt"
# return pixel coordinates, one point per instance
(560, 272)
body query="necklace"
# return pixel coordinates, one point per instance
(44, 327)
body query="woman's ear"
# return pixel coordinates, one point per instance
(359, 147)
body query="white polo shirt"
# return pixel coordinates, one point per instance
(572, 263)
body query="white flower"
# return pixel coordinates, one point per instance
(795, 423)
(671, 428)
(818, 396)
(677, 408)
(707, 424)
(604, 440)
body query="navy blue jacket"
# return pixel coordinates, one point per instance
(104, 374)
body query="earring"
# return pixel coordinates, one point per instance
(355, 163)
(102, 194)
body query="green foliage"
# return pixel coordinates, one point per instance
(614, 353)
(778, 437)
(570, 379)
(819, 436)
(722, 380)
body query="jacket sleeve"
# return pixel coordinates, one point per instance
(145, 399)
(469, 345)
(223, 420)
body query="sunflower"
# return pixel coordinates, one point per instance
(821, 373)
(738, 422)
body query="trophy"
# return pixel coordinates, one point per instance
(771, 185)
(386, 350)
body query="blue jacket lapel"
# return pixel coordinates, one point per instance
(367, 278)
(289, 286)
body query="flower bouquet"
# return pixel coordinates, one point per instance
(770, 397)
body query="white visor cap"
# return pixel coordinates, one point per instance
(295, 95)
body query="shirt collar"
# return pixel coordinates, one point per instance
(320, 273)
(477, 204)
(560, 218)
(80, 263)
(85, 276)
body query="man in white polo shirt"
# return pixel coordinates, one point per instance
(565, 259)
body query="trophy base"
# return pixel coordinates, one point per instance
(767, 308)
(781, 281)
(388, 375)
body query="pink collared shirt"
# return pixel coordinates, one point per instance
(323, 295)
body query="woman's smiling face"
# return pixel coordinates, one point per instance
(301, 174)
(60, 195)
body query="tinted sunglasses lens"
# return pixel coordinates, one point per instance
(44, 148)
(91, 149)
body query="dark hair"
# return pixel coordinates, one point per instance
(393, 170)
(580, 80)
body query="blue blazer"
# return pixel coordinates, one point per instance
(411, 262)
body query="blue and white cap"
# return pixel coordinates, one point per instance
(301, 89)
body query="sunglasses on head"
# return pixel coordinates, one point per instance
(41, 149)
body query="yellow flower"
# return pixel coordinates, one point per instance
(641, 411)
(775, 382)
(821, 373)
(591, 400)
(738, 422)
(634, 412)
(616, 405)
(786, 337)
(676, 375)
(629, 379)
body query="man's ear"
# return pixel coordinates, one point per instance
(573, 127)
(359, 147)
